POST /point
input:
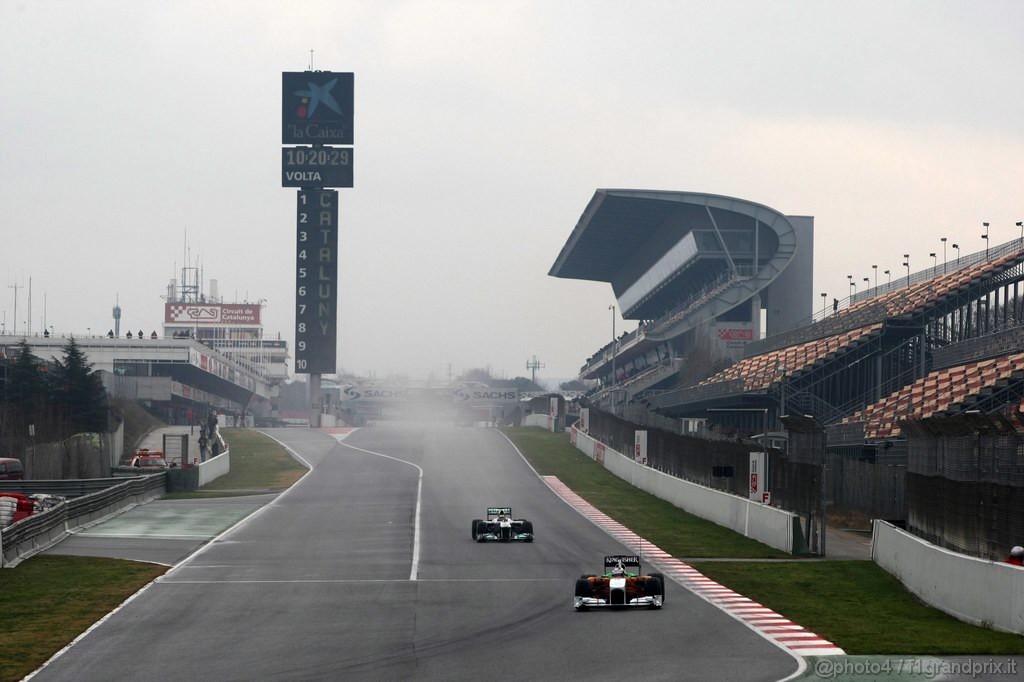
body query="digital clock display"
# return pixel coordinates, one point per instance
(316, 167)
(295, 157)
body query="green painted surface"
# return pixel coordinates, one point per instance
(182, 520)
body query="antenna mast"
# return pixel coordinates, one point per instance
(15, 286)
(534, 365)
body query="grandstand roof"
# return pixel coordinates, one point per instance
(618, 223)
(659, 249)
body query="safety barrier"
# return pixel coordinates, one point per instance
(775, 527)
(542, 420)
(214, 468)
(32, 535)
(977, 591)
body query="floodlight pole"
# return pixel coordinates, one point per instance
(612, 308)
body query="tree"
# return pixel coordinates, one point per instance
(526, 385)
(572, 385)
(25, 391)
(479, 374)
(78, 391)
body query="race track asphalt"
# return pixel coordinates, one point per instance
(316, 585)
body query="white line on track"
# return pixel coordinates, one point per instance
(134, 536)
(365, 580)
(419, 496)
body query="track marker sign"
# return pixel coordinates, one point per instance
(640, 447)
(758, 486)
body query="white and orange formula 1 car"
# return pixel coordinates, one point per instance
(622, 585)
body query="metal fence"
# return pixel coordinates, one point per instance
(979, 518)
(720, 464)
(965, 483)
(854, 487)
(875, 491)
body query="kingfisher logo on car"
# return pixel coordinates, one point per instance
(624, 559)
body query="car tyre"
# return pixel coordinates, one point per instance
(661, 578)
(654, 587)
(476, 528)
(583, 588)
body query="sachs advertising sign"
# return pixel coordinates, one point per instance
(214, 314)
(466, 395)
(352, 392)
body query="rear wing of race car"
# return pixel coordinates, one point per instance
(628, 561)
(494, 512)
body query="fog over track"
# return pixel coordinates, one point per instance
(316, 585)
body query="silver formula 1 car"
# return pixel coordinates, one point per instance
(499, 526)
(621, 585)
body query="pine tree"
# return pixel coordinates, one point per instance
(78, 391)
(25, 391)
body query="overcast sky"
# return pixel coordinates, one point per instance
(482, 130)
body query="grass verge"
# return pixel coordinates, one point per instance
(258, 465)
(675, 531)
(47, 601)
(860, 607)
(854, 604)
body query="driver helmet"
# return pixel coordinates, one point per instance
(618, 570)
(1017, 551)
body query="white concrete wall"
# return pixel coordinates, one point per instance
(540, 420)
(976, 591)
(214, 468)
(754, 520)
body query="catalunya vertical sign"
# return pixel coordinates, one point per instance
(316, 280)
(317, 111)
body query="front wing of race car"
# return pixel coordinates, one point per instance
(618, 592)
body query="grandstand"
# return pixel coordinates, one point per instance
(940, 341)
(726, 340)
